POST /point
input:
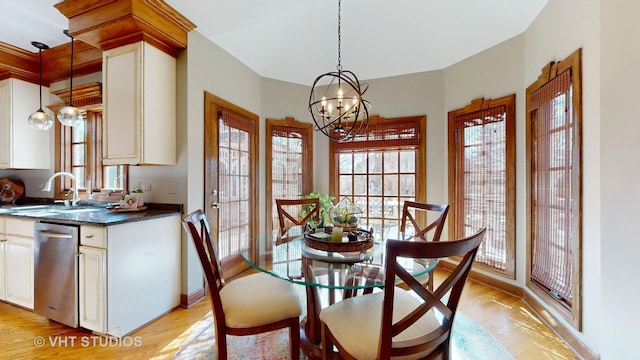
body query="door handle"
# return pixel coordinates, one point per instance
(215, 205)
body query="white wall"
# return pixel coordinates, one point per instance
(619, 173)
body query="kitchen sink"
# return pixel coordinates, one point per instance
(49, 210)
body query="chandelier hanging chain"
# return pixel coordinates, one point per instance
(339, 67)
(336, 104)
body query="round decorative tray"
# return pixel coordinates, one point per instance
(357, 240)
(119, 209)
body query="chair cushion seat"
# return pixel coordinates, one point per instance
(258, 299)
(356, 323)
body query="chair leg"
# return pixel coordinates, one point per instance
(327, 344)
(294, 340)
(221, 345)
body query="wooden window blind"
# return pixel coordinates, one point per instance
(553, 168)
(289, 149)
(392, 134)
(554, 187)
(236, 133)
(481, 178)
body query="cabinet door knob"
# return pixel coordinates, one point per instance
(89, 236)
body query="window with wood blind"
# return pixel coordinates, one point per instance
(80, 149)
(482, 184)
(554, 186)
(289, 152)
(380, 169)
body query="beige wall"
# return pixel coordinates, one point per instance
(619, 126)
(205, 67)
(560, 29)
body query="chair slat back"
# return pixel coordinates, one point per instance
(444, 299)
(197, 227)
(414, 213)
(296, 212)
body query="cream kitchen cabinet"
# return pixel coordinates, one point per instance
(22, 147)
(18, 266)
(129, 274)
(139, 102)
(92, 278)
(3, 246)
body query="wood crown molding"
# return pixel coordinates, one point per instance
(18, 63)
(23, 64)
(98, 25)
(113, 23)
(85, 95)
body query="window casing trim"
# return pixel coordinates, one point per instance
(571, 63)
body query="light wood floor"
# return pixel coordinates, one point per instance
(507, 318)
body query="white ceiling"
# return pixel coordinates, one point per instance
(296, 40)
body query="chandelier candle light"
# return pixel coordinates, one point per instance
(338, 110)
(70, 115)
(40, 120)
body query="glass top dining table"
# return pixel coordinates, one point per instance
(359, 270)
(328, 276)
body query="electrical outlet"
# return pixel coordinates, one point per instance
(173, 188)
(146, 187)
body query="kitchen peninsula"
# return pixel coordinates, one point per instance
(128, 263)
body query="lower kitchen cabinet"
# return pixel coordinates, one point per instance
(92, 286)
(129, 274)
(16, 260)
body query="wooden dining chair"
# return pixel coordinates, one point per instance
(416, 214)
(414, 323)
(249, 305)
(296, 213)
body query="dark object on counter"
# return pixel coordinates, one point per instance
(352, 236)
(11, 190)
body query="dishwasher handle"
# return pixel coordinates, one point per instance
(55, 234)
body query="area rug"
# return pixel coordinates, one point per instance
(469, 342)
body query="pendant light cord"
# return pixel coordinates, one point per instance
(40, 77)
(71, 74)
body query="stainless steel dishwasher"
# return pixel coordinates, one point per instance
(56, 272)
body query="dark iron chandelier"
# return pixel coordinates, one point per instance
(338, 110)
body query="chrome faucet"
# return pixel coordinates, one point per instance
(74, 200)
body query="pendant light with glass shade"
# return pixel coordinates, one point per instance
(40, 120)
(69, 115)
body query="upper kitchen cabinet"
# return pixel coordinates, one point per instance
(22, 147)
(139, 102)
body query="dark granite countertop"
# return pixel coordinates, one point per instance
(97, 215)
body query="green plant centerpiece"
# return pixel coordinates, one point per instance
(346, 214)
(326, 205)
